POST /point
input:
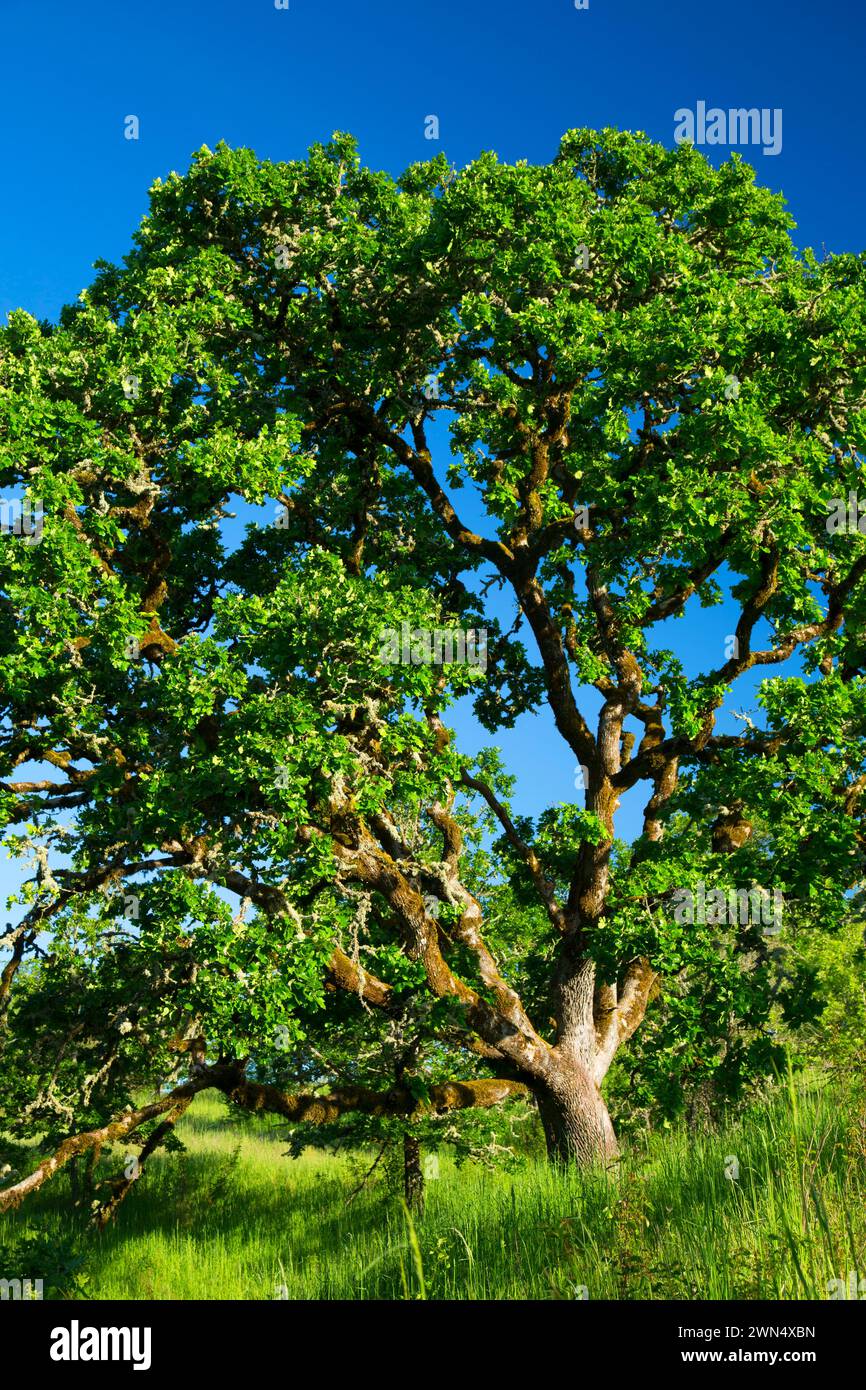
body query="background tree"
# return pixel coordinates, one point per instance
(652, 399)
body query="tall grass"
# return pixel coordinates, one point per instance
(771, 1208)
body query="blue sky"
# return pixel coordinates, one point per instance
(508, 75)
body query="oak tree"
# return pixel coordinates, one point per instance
(245, 807)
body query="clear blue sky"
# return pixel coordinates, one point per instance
(508, 75)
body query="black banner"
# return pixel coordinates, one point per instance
(78, 1338)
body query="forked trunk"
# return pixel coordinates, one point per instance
(576, 1124)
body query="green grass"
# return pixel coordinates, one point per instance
(234, 1219)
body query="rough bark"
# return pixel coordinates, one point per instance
(413, 1174)
(120, 1187)
(250, 1095)
(577, 1126)
(110, 1133)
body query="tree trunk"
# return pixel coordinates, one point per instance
(74, 1184)
(577, 1127)
(413, 1174)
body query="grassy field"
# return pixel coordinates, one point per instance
(774, 1207)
